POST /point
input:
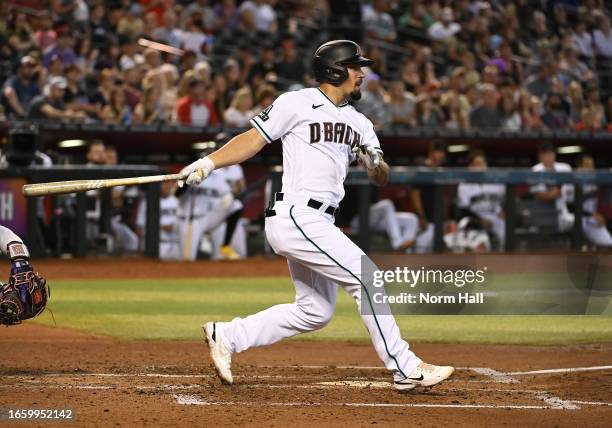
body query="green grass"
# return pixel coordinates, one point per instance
(175, 309)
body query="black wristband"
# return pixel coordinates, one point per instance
(17, 251)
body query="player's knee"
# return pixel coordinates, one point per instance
(316, 318)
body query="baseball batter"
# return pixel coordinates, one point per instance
(320, 132)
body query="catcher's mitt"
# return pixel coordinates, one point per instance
(25, 295)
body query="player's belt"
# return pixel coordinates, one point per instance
(312, 203)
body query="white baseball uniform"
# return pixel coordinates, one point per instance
(169, 240)
(564, 216)
(203, 208)
(597, 233)
(485, 201)
(317, 137)
(400, 227)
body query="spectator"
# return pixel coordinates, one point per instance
(231, 72)
(590, 120)
(602, 38)
(228, 16)
(428, 115)
(556, 112)
(411, 77)
(576, 100)
(258, 15)
(572, 67)
(64, 10)
(401, 105)
(117, 111)
(51, 106)
(583, 40)
(20, 34)
(456, 111)
(377, 21)
(290, 67)
(99, 26)
(168, 97)
(152, 59)
(193, 38)
(131, 24)
(131, 56)
(246, 60)
(106, 84)
(510, 118)
(75, 97)
(240, 111)
(373, 102)
(62, 49)
(486, 115)
(593, 100)
(468, 68)
(539, 84)
(203, 72)
(529, 106)
(195, 109)
(21, 88)
(445, 28)
(201, 9)
(45, 36)
(265, 65)
(168, 33)
(266, 94)
(150, 110)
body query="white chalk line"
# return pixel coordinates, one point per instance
(194, 400)
(563, 370)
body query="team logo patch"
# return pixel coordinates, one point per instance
(265, 113)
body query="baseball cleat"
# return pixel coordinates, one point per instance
(424, 375)
(226, 252)
(221, 356)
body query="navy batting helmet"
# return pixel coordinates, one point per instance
(332, 58)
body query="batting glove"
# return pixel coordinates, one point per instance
(197, 171)
(368, 156)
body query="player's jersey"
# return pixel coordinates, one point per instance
(168, 210)
(481, 198)
(566, 189)
(233, 173)
(197, 201)
(317, 138)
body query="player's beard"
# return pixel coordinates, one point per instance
(355, 95)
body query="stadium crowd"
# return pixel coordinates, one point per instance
(508, 65)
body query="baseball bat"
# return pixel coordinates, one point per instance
(160, 47)
(63, 187)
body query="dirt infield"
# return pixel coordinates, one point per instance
(108, 382)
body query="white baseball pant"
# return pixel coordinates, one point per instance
(320, 258)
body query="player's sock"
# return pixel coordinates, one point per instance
(231, 223)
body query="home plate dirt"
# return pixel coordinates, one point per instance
(113, 383)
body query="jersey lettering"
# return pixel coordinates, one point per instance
(339, 133)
